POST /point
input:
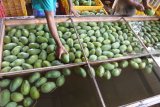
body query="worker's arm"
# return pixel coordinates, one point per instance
(71, 9)
(138, 5)
(53, 30)
(145, 4)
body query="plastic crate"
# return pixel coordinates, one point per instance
(158, 12)
(155, 4)
(2, 11)
(99, 5)
(28, 1)
(140, 13)
(15, 7)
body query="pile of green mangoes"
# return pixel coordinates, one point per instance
(25, 91)
(84, 2)
(107, 70)
(94, 12)
(101, 40)
(32, 46)
(150, 33)
(27, 47)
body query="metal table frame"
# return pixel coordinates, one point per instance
(87, 63)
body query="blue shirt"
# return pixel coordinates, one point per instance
(48, 5)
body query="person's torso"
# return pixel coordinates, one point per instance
(37, 4)
(123, 8)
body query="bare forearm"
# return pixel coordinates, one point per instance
(133, 3)
(52, 27)
(70, 3)
(145, 2)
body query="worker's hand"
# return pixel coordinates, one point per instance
(140, 7)
(74, 12)
(60, 50)
(147, 7)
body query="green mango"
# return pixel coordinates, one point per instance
(27, 102)
(17, 97)
(25, 32)
(6, 69)
(4, 83)
(6, 53)
(39, 27)
(16, 68)
(48, 87)
(7, 39)
(26, 66)
(106, 47)
(115, 45)
(15, 84)
(34, 93)
(80, 71)
(5, 64)
(65, 58)
(5, 97)
(17, 62)
(71, 56)
(124, 64)
(10, 58)
(34, 45)
(109, 54)
(134, 64)
(92, 57)
(41, 39)
(102, 57)
(60, 81)
(32, 59)
(116, 72)
(51, 57)
(53, 74)
(32, 38)
(107, 75)
(16, 50)
(43, 55)
(18, 33)
(34, 77)
(40, 81)
(9, 46)
(108, 66)
(11, 104)
(23, 40)
(100, 71)
(25, 88)
(34, 51)
(66, 72)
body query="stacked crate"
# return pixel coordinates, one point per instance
(2, 13)
(15, 7)
(154, 4)
(158, 12)
(97, 7)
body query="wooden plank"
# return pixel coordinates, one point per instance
(76, 19)
(136, 18)
(27, 71)
(31, 21)
(2, 31)
(44, 69)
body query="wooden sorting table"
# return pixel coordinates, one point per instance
(15, 22)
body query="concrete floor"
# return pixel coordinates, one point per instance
(131, 86)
